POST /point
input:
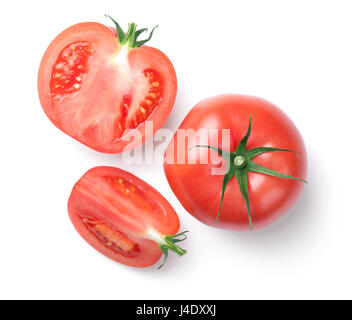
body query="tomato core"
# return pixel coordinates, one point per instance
(70, 68)
(111, 238)
(133, 113)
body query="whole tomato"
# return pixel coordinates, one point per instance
(236, 162)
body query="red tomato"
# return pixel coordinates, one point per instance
(200, 191)
(123, 217)
(100, 87)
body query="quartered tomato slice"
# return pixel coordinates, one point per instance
(101, 86)
(123, 217)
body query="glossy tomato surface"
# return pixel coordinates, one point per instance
(121, 216)
(101, 93)
(199, 189)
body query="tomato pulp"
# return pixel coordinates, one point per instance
(255, 183)
(101, 86)
(123, 217)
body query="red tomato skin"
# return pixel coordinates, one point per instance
(94, 196)
(105, 79)
(199, 191)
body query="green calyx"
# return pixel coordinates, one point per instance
(240, 162)
(130, 38)
(169, 244)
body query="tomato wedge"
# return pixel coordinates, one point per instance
(123, 217)
(101, 86)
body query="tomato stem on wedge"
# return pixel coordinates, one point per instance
(240, 162)
(130, 37)
(168, 243)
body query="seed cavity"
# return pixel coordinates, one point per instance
(150, 101)
(70, 68)
(122, 186)
(111, 237)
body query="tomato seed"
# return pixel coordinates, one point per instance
(73, 65)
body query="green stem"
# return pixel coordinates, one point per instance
(240, 162)
(168, 243)
(171, 246)
(130, 38)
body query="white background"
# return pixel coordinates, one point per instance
(297, 54)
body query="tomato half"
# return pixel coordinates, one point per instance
(99, 86)
(123, 217)
(257, 181)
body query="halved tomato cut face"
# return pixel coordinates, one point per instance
(100, 91)
(123, 217)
